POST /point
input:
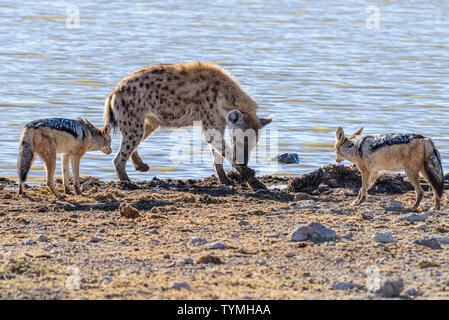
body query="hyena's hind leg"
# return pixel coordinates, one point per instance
(49, 158)
(136, 160)
(130, 140)
(413, 177)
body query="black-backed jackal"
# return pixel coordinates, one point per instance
(176, 95)
(413, 153)
(71, 138)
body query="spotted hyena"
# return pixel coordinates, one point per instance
(176, 95)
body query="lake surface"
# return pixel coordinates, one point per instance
(312, 64)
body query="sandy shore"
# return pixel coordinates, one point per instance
(196, 239)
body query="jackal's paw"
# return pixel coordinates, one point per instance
(256, 185)
(143, 167)
(355, 203)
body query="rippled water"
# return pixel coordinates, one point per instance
(312, 64)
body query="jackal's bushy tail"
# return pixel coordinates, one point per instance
(109, 115)
(26, 154)
(434, 170)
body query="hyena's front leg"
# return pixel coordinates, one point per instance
(218, 164)
(128, 145)
(136, 160)
(65, 158)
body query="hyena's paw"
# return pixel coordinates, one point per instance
(256, 185)
(355, 202)
(78, 191)
(143, 167)
(226, 181)
(67, 191)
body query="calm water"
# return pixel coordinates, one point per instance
(312, 64)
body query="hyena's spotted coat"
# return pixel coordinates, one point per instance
(177, 95)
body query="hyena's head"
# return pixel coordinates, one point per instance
(101, 138)
(244, 130)
(343, 146)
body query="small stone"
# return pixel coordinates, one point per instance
(188, 261)
(235, 236)
(128, 211)
(442, 239)
(394, 205)
(289, 255)
(431, 243)
(337, 212)
(216, 245)
(29, 242)
(314, 232)
(415, 217)
(347, 236)
(286, 158)
(124, 242)
(412, 292)
(243, 223)
(101, 230)
(390, 288)
(300, 196)
(154, 231)
(74, 216)
(195, 242)
(383, 237)
(105, 279)
(345, 285)
(95, 239)
(42, 238)
(180, 285)
(166, 256)
(305, 204)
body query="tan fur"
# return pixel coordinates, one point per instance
(409, 157)
(174, 96)
(48, 142)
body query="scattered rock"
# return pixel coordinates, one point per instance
(101, 230)
(390, 287)
(314, 232)
(383, 237)
(299, 196)
(424, 264)
(394, 205)
(345, 285)
(196, 242)
(166, 256)
(347, 236)
(95, 239)
(442, 239)
(431, 243)
(180, 285)
(243, 223)
(124, 242)
(415, 217)
(337, 212)
(305, 204)
(210, 259)
(154, 231)
(29, 242)
(42, 238)
(286, 158)
(104, 280)
(216, 245)
(412, 292)
(128, 211)
(188, 261)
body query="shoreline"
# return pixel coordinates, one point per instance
(197, 239)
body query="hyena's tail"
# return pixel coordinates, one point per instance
(109, 114)
(26, 156)
(433, 168)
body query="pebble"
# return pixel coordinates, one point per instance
(243, 223)
(415, 217)
(383, 237)
(105, 279)
(299, 196)
(154, 231)
(42, 238)
(101, 230)
(347, 236)
(235, 236)
(180, 285)
(29, 242)
(394, 205)
(216, 245)
(124, 242)
(431, 243)
(166, 256)
(286, 158)
(188, 261)
(412, 292)
(305, 204)
(195, 242)
(345, 285)
(95, 239)
(442, 239)
(315, 232)
(390, 287)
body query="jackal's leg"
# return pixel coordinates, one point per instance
(50, 166)
(136, 160)
(129, 143)
(366, 179)
(65, 158)
(76, 172)
(437, 199)
(413, 177)
(215, 140)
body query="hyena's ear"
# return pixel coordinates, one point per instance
(107, 130)
(234, 116)
(340, 134)
(265, 120)
(358, 132)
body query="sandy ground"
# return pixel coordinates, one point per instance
(119, 241)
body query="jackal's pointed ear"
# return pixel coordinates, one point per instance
(358, 132)
(265, 120)
(107, 129)
(88, 122)
(340, 134)
(234, 116)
